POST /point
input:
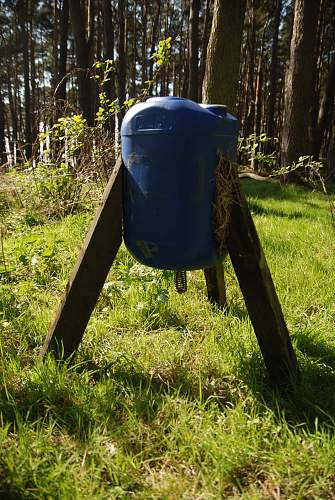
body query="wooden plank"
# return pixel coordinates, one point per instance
(93, 264)
(259, 293)
(216, 287)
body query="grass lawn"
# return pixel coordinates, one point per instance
(168, 397)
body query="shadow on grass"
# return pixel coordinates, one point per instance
(316, 348)
(313, 398)
(256, 208)
(32, 403)
(256, 189)
(237, 311)
(317, 361)
(264, 190)
(114, 390)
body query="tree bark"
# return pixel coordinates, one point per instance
(60, 93)
(55, 39)
(223, 53)
(92, 40)
(35, 111)
(325, 110)
(193, 69)
(154, 39)
(205, 38)
(122, 56)
(109, 44)
(3, 156)
(220, 87)
(270, 128)
(331, 153)
(133, 64)
(22, 10)
(299, 83)
(258, 99)
(82, 50)
(184, 36)
(12, 103)
(108, 30)
(249, 107)
(144, 41)
(318, 70)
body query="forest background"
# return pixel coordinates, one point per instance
(279, 69)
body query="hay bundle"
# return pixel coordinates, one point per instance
(225, 176)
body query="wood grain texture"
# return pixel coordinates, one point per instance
(259, 293)
(93, 264)
(216, 287)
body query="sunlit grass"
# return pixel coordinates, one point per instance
(168, 397)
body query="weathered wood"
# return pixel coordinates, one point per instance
(259, 293)
(216, 287)
(97, 255)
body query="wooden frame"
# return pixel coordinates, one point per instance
(99, 251)
(89, 274)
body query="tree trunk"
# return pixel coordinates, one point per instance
(258, 99)
(193, 70)
(154, 39)
(220, 87)
(223, 53)
(205, 38)
(299, 83)
(35, 112)
(184, 88)
(22, 10)
(331, 153)
(325, 110)
(122, 56)
(3, 156)
(60, 93)
(12, 103)
(55, 39)
(250, 81)
(270, 128)
(133, 64)
(144, 41)
(82, 50)
(92, 28)
(109, 44)
(318, 70)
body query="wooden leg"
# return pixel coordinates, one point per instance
(216, 287)
(97, 255)
(259, 293)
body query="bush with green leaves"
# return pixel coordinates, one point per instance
(71, 155)
(260, 149)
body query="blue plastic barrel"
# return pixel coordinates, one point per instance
(169, 148)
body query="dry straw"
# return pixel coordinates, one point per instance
(225, 178)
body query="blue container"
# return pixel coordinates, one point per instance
(169, 148)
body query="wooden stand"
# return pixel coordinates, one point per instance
(216, 286)
(90, 272)
(99, 251)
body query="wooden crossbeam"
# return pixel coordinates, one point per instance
(93, 264)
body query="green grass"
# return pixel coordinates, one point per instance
(168, 397)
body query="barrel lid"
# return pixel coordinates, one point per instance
(218, 109)
(175, 115)
(166, 98)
